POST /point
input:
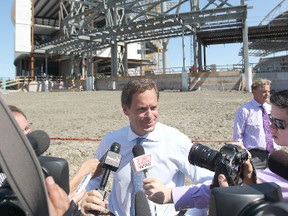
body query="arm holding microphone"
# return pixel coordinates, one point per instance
(89, 166)
(156, 191)
(193, 196)
(94, 202)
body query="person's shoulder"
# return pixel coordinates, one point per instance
(168, 130)
(164, 126)
(246, 107)
(114, 135)
(247, 104)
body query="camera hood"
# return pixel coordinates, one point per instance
(244, 200)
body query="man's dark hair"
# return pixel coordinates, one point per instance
(137, 86)
(280, 99)
(17, 110)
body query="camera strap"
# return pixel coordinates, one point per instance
(20, 165)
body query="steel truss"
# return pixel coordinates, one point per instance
(90, 25)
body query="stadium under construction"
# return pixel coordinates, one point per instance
(92, 44)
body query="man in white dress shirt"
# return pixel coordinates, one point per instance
(168, 146)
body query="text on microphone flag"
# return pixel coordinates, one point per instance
(113, 159)
(142, 162)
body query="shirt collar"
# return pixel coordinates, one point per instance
(152, 136)
(256, 104)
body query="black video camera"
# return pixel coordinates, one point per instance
(51, 166)
(248, 200)
(227, 161)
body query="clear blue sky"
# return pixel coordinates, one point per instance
(218, 54)
(225, 53)
(7, 68)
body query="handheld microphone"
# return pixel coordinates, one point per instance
(39, 140)
(110, 161)
(141, 161)
(278, 163)
(141, 204)
(139, 164)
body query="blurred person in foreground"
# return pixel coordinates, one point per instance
(59, 201)
(88, 166)
(251, 124)
(168, 148)
(23, 124)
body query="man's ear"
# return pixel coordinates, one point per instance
(125, 109)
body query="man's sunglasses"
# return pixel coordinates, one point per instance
(279, 124)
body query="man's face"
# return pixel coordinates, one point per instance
(143, 112)
(261, 94)
(22, 122)
(280, 136)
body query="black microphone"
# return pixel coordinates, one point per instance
(138, 150)
(141, 161)
(110, 161)
(39, 140)
(141, 204)
(278, 163)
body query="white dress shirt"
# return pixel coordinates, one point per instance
(169, 149)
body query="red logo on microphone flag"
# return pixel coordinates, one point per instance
(142, 162)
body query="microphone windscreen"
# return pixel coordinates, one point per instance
(278, 163)
(141, 204)
(138, 150)
(115, 147)
(39, 140)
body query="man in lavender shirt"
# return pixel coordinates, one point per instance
(279, 129)
(197, 196)
(248, 124)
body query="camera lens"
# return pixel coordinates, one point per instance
(203, 156)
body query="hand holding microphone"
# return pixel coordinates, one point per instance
(93, 203)
(110, 161)
(156, 191)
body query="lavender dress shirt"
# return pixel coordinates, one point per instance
(248, 125)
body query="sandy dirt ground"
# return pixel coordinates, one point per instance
(205, 116)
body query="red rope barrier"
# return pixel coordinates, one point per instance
(76, 139)
(226, 141)
(98, 140)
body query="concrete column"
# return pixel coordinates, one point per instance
(184, 72)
